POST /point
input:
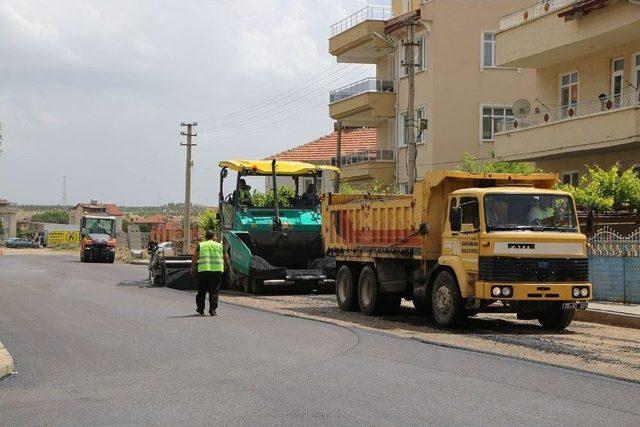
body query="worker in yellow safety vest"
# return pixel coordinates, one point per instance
(208, 261)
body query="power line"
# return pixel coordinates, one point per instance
(320, 91)
(271, 99)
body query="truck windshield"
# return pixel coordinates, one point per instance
(540, 212)
(99, 226)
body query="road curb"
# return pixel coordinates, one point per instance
(608, 318)
(6, 362)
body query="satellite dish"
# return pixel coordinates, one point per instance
(521, 108)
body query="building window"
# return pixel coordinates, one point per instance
(488, 49)
(420, 56)
(617, 81)
(495, 119)
(571, 178)
(403, 187)
(402, 130)
(403, 127)
(568, 95)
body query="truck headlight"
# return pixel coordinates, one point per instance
(584, 292)
(495, 291)
(576, 292)
(506, 291)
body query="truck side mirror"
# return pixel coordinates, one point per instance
(455, 218)
(590, 221)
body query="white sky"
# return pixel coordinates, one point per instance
(96, 90)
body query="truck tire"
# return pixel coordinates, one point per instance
(556, 318)
(369, 297)
(346, 290)
(446, 303)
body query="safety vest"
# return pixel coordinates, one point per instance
(211, 256)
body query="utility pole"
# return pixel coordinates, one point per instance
(338, 128)
(411, 125)
(187, 186)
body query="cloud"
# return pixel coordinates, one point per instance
(96, 90)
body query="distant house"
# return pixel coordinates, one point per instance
(94, 208)
(166, 229)
(322, 151)
(8, 216)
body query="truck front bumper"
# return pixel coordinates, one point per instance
(533, 291)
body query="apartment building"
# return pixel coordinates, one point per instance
(458, 87)
(586, 107)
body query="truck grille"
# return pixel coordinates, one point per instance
(533, 270)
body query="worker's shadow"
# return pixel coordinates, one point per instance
(185, 316)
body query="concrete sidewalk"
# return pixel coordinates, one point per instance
(6, 362)
(627, 316)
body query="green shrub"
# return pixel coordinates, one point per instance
(473, 165)
(607, 190)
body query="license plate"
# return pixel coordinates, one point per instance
(574, 305)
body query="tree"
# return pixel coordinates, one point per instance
(286, 195)
(55, 216)
(376, 187)
(473, 165)
(605, 190)
(208, 220)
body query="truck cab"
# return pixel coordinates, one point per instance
(520, 250)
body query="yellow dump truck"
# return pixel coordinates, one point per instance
(461, 244)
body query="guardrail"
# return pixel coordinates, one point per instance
(628, 98)
(366, 155)
(533, 11)
(369, 13)
(370, 84)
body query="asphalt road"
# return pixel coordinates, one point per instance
(90, 352)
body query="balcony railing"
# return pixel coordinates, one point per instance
(627, 99)
(370, 84)
(534, 11)
(363, 156)
(369, 13)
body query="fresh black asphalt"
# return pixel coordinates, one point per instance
(90, 352)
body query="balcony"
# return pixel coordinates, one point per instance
(368, 167)
(359, 37)
(601, 124)
(364, 103)
(554, 31)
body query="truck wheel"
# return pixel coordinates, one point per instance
(446, 302)
(556, 318)
(369, 297)
(346, 290)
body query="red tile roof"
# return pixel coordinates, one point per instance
(113, 210)
(323, 149)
